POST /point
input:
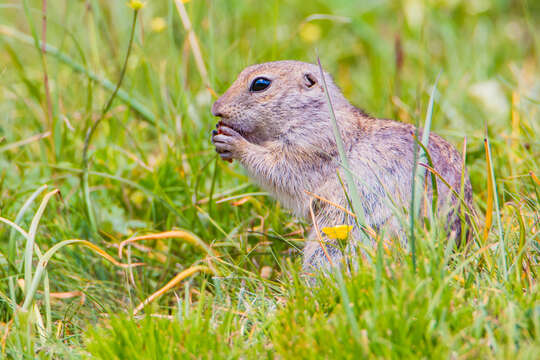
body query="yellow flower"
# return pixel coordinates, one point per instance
(337, 232)
(136, 4)
(460, 279)
(158, 24)
(310, 32)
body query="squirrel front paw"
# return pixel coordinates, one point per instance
(228, 142)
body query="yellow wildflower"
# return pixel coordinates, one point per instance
(158, 24)
(136, 4)
(310, 32)
(339, 232)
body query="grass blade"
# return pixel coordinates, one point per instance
(43, 261)
(348, 306)
(29, 249)
(353, 190)
(522, 242)
(179, 234)
(491, 177)
(489, 200)
(419, 172)
(534, 177)
(18, 219)
(433, 177)
(193, 42)
(175, 280)
(20, 143)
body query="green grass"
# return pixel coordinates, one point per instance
(151, 168)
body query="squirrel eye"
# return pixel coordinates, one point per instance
(310, 80)
(259, 84)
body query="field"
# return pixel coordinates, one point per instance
(105, 129)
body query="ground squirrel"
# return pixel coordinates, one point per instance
(275, 120)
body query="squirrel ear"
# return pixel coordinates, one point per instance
(309, 80)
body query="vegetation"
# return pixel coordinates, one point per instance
(122, 235)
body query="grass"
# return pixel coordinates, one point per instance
(157, 190)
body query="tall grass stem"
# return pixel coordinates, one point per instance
(352, 188)
(92, 130)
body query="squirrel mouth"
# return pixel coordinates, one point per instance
(238, 130)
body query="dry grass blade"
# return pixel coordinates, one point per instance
(43, 261)
(534, 177)
(521, 251)
(106, 256)
(450, 187)
(319, 237)
(470, 212)
(331, 203)
(174, 281)
(67, 294)
(367, 228)
(7, 327)
(502, 246)
(178, 234)
(193, 42)
(27, 141)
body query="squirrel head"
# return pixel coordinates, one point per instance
(277, 99)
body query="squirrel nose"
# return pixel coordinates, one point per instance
(216, 108)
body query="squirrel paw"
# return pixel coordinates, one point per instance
(228, 142)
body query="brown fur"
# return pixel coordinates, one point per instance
(283, 138)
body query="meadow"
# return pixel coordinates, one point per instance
(123, 235)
